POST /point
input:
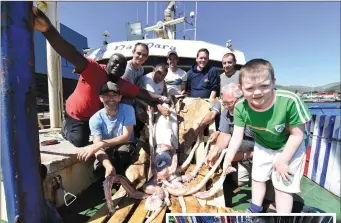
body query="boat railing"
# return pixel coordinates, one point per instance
(323, 150)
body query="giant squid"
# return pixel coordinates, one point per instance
(165, 175)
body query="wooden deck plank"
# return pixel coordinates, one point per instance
(210, 209)
(139, 214)
(175, 208)
(161, 216)
(102, 214)
(123, 210)
(192, 205)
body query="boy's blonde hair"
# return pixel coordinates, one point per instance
(255, 69)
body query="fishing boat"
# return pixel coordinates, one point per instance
(78, 195)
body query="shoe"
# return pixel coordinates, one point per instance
(63, 131)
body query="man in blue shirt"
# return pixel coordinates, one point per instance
(203, 81)
(112, 131)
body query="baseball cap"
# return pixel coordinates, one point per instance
(172, 52)
(109, 86)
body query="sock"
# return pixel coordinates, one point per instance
(255, 208)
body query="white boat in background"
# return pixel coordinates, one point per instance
(158, 48)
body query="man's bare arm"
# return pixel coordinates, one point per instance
(124, 138)
(213, 95)
(59, 44)
(100, 155)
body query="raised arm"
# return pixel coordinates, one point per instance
(60, 45)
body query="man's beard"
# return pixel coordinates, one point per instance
(112, 107)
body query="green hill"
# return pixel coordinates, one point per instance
(336, 86)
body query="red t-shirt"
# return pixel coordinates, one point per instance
(84, 101)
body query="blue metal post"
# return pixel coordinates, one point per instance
(20, 160)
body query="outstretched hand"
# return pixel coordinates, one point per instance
(40, 21)
(227, 166)
(212, 157)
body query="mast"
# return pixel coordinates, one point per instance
(196, 16)
(146, 34)
(54, 71)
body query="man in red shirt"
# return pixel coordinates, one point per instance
(84, 101)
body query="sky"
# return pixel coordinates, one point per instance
(300, 39)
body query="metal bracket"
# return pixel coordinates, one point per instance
(57, 183)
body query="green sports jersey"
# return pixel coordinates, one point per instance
(271, 125)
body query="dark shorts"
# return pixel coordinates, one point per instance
(121, 157)
(77, 132)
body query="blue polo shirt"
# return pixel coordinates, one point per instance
(200, 84)
(101, 124)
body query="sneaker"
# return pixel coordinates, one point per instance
(248, 210)
(63, 131)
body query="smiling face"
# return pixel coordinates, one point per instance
(258, 91)
(202, 60)
(140, 55)
(111, 100)
(228, 64)
(172, 61)
(116, 65)
(228, 101)
(159, 75)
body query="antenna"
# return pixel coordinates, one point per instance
(196, 16)
(146, 35)
(184, 15)
(155, 5)
(137, 14)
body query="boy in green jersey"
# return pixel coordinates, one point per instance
(277, 118)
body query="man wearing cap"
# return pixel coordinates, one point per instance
(84, 101)
(112, 131)
(176, 77)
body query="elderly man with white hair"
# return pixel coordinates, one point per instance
(230, 95)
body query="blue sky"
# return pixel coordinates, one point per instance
(300, 39)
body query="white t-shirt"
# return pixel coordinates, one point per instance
(148, 83)
(174, 80)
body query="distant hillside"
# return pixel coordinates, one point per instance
(336, 86)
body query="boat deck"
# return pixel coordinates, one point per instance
(60, 159)
(92, 199)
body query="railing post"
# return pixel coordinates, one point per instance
(20, 158)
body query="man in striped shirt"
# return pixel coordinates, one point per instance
(277, 118)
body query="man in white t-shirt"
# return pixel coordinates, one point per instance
(154, 82)
(176, 77)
